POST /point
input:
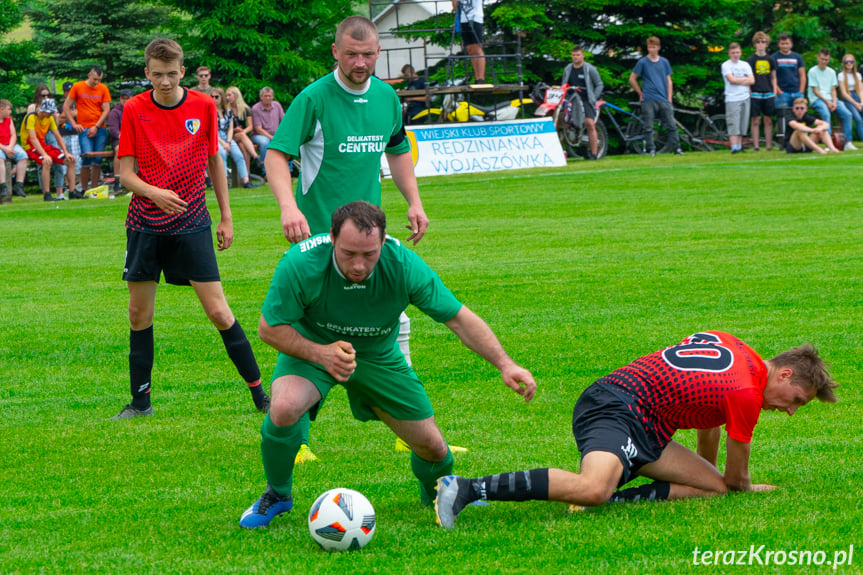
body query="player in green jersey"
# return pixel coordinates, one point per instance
(339, 126)
(332, 313)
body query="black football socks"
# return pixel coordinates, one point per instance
(140, 366)
(516, 486)
(240, 351)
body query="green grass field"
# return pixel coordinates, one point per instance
(579, 270)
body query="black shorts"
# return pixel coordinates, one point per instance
(602, 421)
(589, 111)
(791, 150)
(471, 33)
(183, 258)
(762, 106)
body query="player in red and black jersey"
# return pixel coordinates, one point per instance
(171, 133)
(624, 422)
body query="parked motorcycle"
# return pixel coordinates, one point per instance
(565, 107)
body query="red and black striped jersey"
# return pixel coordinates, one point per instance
(709, 379)
(171, 147)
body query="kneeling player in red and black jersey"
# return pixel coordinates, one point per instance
(624, 422)
(171, 133)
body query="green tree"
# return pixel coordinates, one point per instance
(73, 35)
(693, 35)
(253, 43)
(15, 57)
(833, 24)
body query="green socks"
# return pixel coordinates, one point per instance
(428, 473)
(279, 446)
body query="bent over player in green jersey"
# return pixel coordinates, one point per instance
(332, 312)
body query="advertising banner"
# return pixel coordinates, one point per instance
(443, 149)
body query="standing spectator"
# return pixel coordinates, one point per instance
(70, 138)
(738, 77)
(168, 138)
(656, 96)
(243, 124)
(790, 73)
(204, 75)
(470, 22)
(266, 117)
(93, 102)
(33, 132)
(763, 95)
(227, 145)
(823, 85)
(12, 151)
(851, 88)
(585, 78)
(115, 121)
(806, 131)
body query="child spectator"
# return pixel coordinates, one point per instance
(227, 145)
(738, 77)
(10, 150)
(763, 95)
(34, 129)
(851, 90)
(70, 138)
(243, 125)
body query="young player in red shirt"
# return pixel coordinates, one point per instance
(171, 133)
(624, 422)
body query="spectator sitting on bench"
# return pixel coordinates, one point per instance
(11, 151)
(243, 125)
(807, 130)
(42, 92)
(266, 117)
(34, 129)
(227, 145)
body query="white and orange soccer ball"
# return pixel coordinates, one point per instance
(342, 519)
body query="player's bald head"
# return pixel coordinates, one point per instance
(359, 28)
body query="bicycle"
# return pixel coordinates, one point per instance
(709, 131)
(630, 130)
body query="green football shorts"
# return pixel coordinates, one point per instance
(389, 384)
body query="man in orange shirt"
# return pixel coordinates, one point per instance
(93, 101)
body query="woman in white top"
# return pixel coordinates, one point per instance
(851, 91)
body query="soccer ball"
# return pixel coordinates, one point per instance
(342, 519)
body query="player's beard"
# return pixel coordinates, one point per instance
(357, 76)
